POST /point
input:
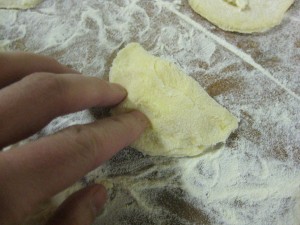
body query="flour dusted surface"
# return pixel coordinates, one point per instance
(254, 179)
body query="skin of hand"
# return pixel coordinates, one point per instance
(33, 91)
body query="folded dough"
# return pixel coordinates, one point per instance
(244, 16)
(18, 4)
(185, 120)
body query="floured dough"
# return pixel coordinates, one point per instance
(185, 120)
(244, 16)
(19, 4)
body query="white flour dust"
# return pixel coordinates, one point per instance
(254, 178)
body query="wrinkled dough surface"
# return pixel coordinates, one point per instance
(19, 4)
(244, 16)
(185, 120)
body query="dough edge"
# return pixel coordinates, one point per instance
(234, 26)
(231, 123)
(13, 4)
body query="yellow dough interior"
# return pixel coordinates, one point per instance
(19, 4)
(185, 120)
(244, 16)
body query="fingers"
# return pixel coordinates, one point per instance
(43, 168)
(81, 208)
(28, 105)
(16, 65)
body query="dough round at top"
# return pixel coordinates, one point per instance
(185, 120)
(19, 4)
(244, 16)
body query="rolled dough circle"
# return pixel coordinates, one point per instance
(243, 16)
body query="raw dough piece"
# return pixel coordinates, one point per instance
(185, 120)
(242, 4)
(19, 4)
(244, 16)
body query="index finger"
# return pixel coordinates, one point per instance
(43, 168)
(16, 65)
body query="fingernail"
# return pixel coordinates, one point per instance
(99, 200)
(118, 88)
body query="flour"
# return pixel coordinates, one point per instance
(254, 178)
(247, 58)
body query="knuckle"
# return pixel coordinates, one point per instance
(85, 141)
(47, 81)
(47, 87)
(51, 60)
(126, 122)
(119, 120)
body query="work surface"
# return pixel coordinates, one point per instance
(255, 177)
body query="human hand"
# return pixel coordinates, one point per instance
(33, 91)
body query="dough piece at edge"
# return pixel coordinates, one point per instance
(185, 120)
(18, 4)
(259, 16)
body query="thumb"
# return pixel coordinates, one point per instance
(81, 208)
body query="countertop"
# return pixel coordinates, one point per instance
(254, 178)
